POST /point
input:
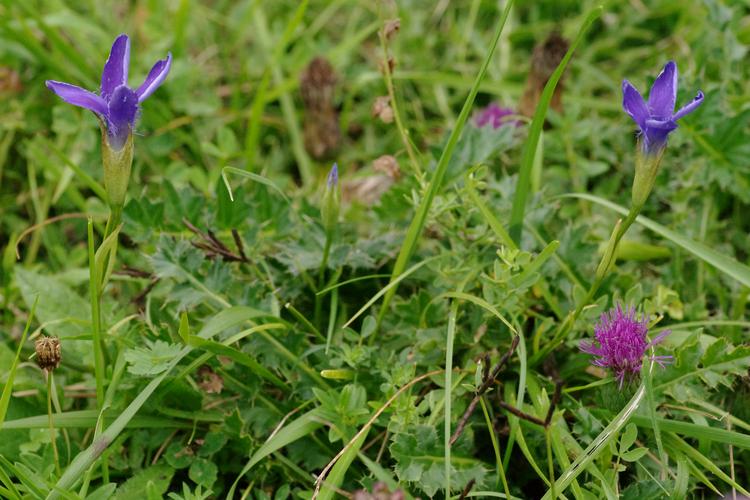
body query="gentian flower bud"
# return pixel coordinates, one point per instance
(622, 343)
(117, 106)
(329, 210)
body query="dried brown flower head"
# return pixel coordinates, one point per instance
(48, 352)
(391, 28)
(544, 60)
(317, 83)
(388, 165)
(322, 133)
(381, 108)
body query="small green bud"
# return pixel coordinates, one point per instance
(117, 165)
(329, 210)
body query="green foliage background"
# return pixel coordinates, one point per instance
(295, 385)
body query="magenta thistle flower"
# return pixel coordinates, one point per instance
(117, 104)
(494, 115)
(656, 118)
(622, 343)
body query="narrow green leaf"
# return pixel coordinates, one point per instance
(720, 261)
(420, 217)
(238, 357)
(244, 173)
(496, 226)
(8, 389)
(301, 427)
(336, 476)
(599, 443)
(698, 457)
(696, 431)
(523, 187)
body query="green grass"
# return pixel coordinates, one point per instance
(224, 341)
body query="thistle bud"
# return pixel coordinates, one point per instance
(48, 353)
(117, 165)
(329, 210)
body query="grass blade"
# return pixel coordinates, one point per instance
(598, 444)
(301, 427)
(8, 389)
(420, 217)
(722, 262)
(535, 131)
(336, 476)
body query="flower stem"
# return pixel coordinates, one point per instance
(321, 277)
(53, 440)
(394, 105)
(606, 262)
(95, 317)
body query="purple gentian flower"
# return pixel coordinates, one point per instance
(656, 118)
(622, 342)
(494, 115)
(117, 104)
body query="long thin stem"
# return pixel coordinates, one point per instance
(394, 105)
(606, 262)
(53, 440)
(95, 318)
(322, 276)
(495, 446)
(550, 462)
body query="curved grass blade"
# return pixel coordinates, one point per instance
(698, 457)
(722, 262)
(390, 287)
(598, 444)
(696, 431)
(420, 217)
(244, 173)
(301, 427)
(336, 476)
(87, 418)
(523, 187)
(496, 226)
(8, 389)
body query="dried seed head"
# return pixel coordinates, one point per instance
(322, 132)
(544, 60)
(48, 353)
(317, 84)
(381, 108)
(210, 381)
(388, 165)
(391, 28)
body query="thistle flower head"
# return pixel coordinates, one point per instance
(494, 115)
(621, 343)
(117, 105)
(656, 118)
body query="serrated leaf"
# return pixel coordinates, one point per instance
(152, 359)
(420, 460)
(158, 476)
